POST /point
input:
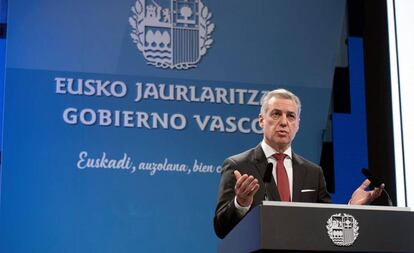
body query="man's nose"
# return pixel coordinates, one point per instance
(283, 120)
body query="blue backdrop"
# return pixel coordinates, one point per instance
(106, 151)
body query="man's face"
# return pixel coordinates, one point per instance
(280, 123)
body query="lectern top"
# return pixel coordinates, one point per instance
(339, 206)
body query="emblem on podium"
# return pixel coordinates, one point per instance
(342, 229)
(171, 34)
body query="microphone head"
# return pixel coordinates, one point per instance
(268, 173)
(374, 180)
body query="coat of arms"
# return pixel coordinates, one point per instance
(342, 229)
(172, 34)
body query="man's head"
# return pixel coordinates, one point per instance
(279, 118)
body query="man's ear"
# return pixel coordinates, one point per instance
(261, 121)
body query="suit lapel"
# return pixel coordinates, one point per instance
(299, 175)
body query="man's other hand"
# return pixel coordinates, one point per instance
(363, 197)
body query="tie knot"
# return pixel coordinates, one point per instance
(279, 156)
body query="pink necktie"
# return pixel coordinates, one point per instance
(282, 178)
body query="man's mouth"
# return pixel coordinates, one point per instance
(282, 132)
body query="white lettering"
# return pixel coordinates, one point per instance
(90, 87)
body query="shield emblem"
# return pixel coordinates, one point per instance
(342, 229)
(172, 34)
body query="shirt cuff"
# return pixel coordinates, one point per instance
(241, 210)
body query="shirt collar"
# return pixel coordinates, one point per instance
(269, 151)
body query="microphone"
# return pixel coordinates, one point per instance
(376, 183)
(374, 180)
(267, 177)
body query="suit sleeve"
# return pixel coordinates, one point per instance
(226, 214)
(323, 194)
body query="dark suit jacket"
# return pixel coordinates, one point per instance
(306, 175)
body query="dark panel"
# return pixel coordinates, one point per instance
(341, 92)
(327, 163)
(3, 31)
(378, 94)
(355, 18)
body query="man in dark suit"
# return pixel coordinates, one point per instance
(293, 178)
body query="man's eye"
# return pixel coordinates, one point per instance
(275, 114)
(292, 116)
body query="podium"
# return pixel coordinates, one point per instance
(308, 227)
